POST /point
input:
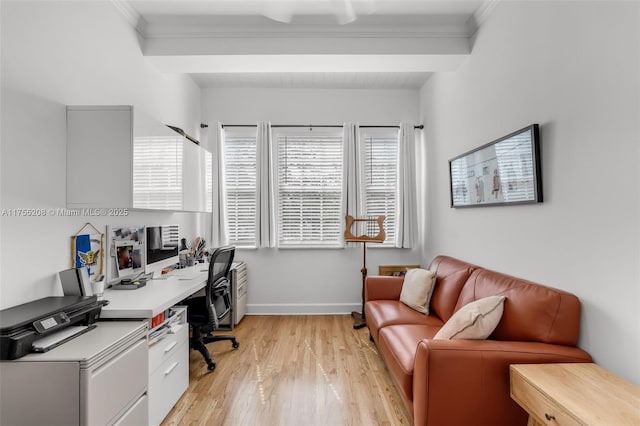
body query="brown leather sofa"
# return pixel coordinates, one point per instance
(466, 382)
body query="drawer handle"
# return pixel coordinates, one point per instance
(549, 416)
(174, 365)
(168, 348)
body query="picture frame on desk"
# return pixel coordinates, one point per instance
(126, 251)
(395, 270)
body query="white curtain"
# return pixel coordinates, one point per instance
(406, 209)
(352, 197)
(219, 234)
(265, 200)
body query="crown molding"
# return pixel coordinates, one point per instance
(484, 11)
(480, 16)
(131, 15)
(399, 26)
(178, 30)
(307, 34)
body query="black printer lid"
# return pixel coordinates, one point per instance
(27, 313)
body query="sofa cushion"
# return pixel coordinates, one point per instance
(476, 320)
(417, 289)
(451, 274)
(397, 346)
(382, 313)
(532, 312)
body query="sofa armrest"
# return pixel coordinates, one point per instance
(459, 382)
(382, 288)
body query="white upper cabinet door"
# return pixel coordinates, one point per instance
(99, 157)
(157, 166)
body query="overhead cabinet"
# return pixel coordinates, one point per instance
(118, 157)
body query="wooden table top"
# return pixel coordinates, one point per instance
(587, 391)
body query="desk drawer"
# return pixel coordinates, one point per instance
(163, 349)
(113, 385)
(137, 415)
(543, 409)
(167, 384)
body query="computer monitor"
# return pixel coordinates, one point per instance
(162, 247)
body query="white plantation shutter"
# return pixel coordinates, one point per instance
(208, 161)
(309, 187)
(157, 173)
(170, 235)
(380, 165)
(239, 149)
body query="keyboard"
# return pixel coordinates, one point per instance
(188, 277)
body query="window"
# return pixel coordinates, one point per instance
(239, 150)
(309, 186)
(308, 183)
(380, 166)
(157, 173)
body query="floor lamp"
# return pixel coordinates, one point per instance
(373, 233)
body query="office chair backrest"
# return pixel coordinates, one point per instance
(217, 290)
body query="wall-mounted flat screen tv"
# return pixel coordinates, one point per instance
(503, 172)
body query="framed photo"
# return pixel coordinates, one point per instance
(395, 270)
(505, 171)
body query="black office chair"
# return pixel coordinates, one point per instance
(205, 312)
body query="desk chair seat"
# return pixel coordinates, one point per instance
(205, 312)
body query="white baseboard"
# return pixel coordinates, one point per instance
(302, 308)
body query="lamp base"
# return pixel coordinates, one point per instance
(358, 320)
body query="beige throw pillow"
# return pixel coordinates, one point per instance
(417, 289)
(475, 321)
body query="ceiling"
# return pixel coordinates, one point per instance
(327, 44)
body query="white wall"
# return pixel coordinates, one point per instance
(311, 281)
(55, 54)
(572, 67)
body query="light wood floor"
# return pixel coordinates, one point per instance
(291, 370)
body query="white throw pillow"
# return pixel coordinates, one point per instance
(417, 289)
(475, 321)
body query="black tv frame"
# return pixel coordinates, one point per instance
(536, 170)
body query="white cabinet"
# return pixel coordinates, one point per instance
(118, 157)
(239, 281)
(168, 366)
(98, 378)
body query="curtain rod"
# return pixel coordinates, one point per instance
(420, 126)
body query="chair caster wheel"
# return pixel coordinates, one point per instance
(211, 366)
(235, 345)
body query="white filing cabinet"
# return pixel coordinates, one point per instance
(168, 350)
(98, 378)
(238, 292)
(168, 364)
(239, 282)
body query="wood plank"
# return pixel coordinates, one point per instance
(291, 370)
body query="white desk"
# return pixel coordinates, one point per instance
(155, 297)
(168, 357)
